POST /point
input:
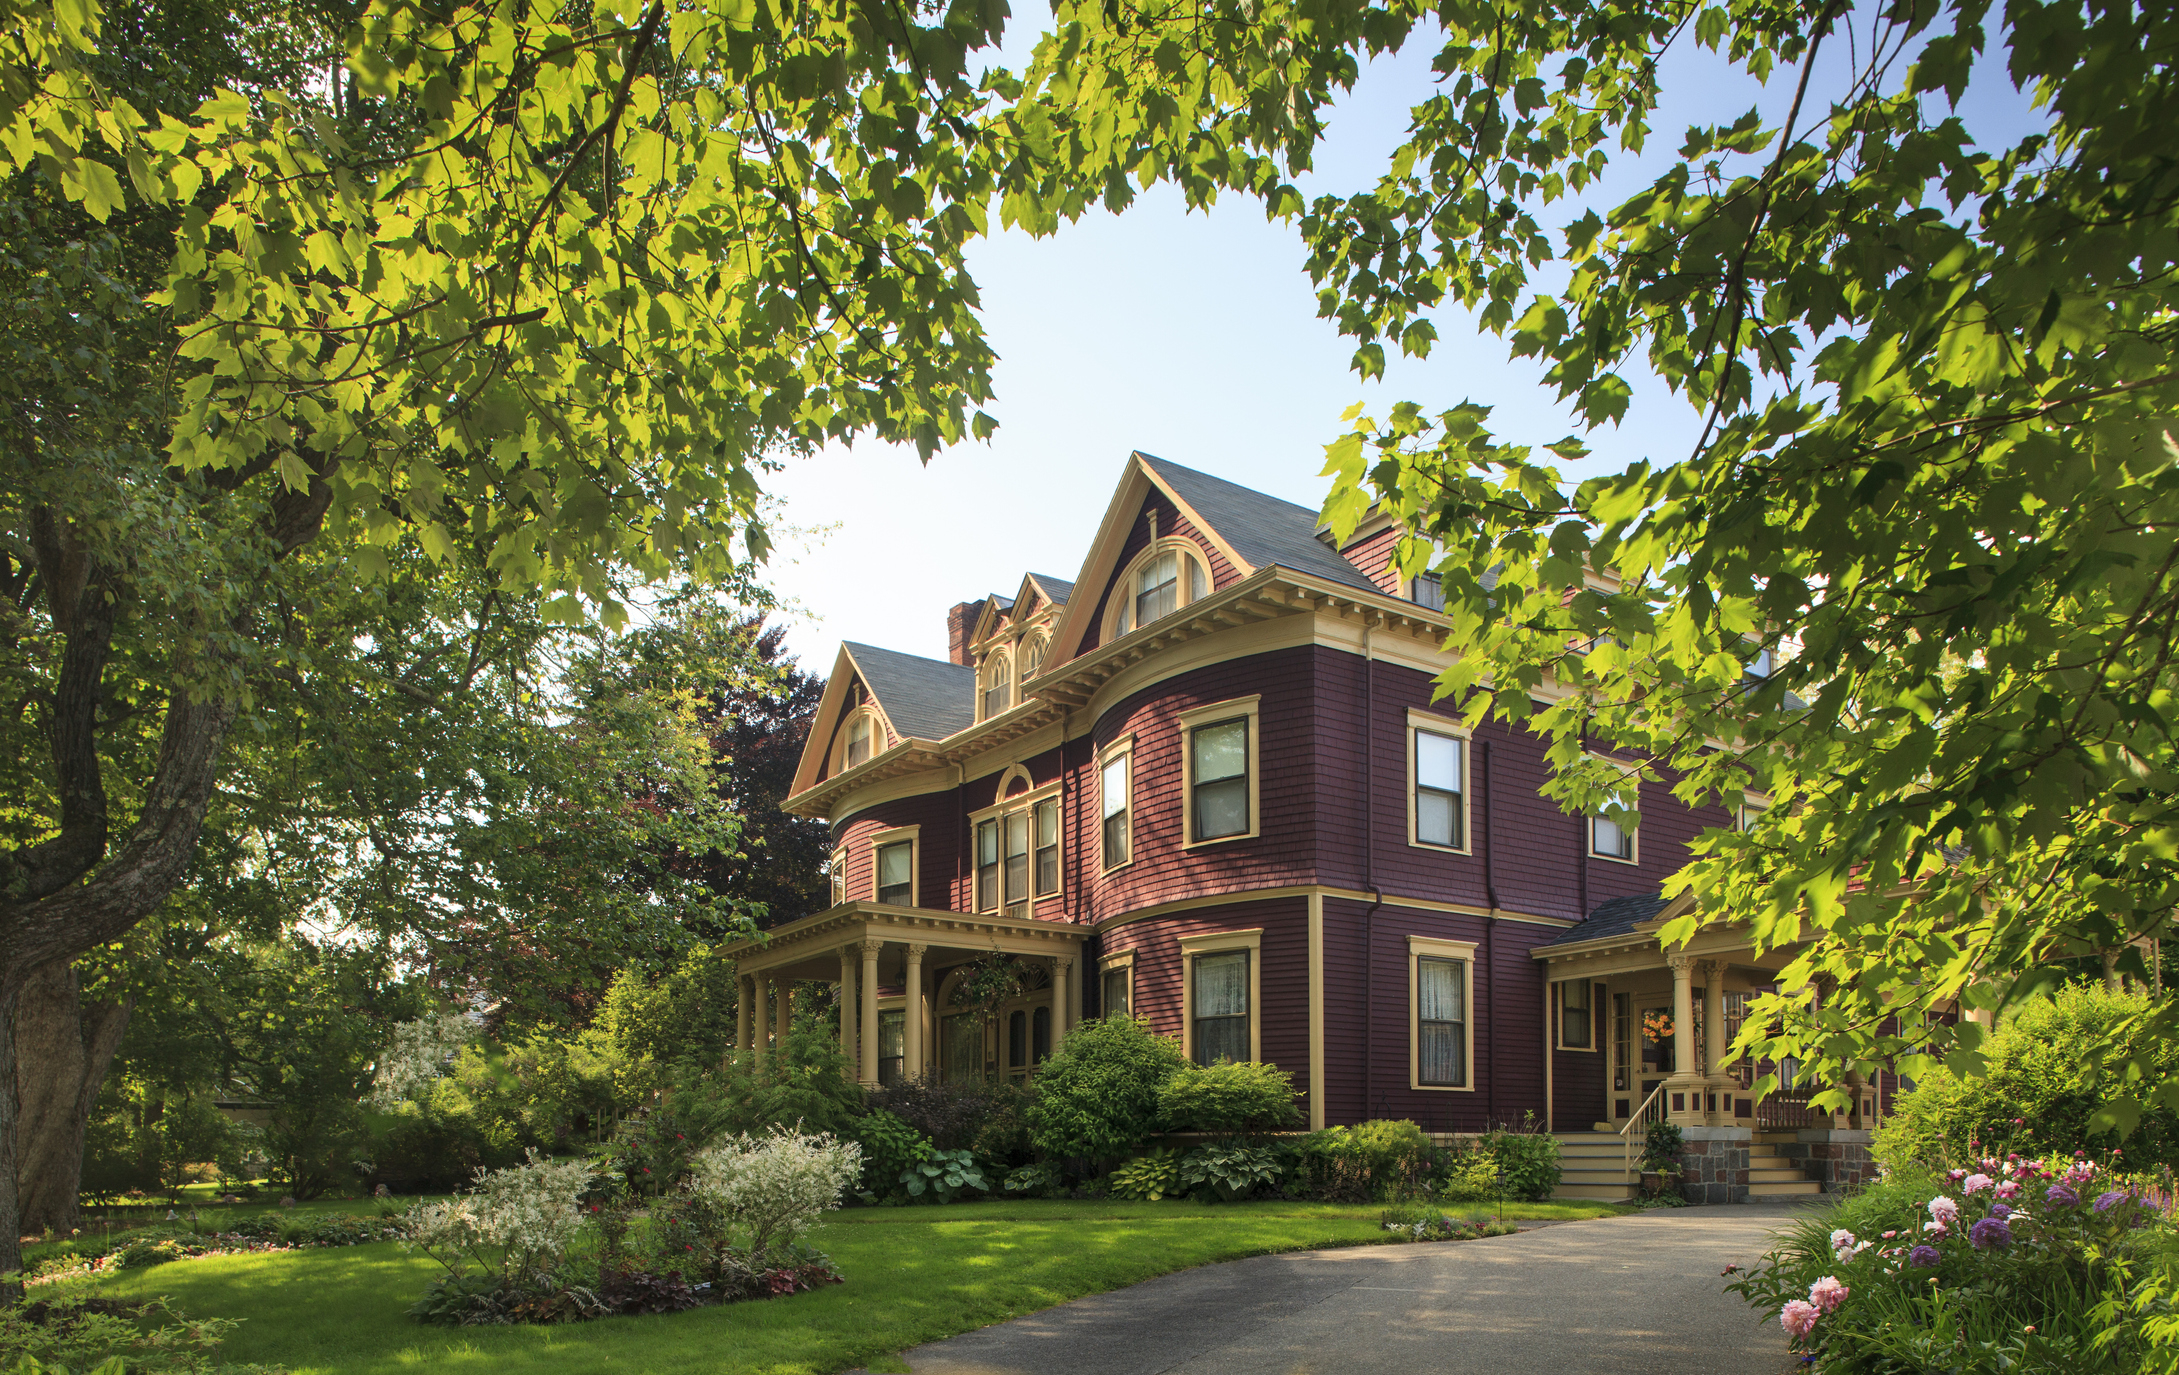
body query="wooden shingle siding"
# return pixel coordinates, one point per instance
(1170, 522)
(1284, 850)
(1372, 554)
(1282, 976)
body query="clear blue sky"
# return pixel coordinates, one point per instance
(1189, 336)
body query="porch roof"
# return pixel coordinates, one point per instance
(808, 948)
(1614, 917)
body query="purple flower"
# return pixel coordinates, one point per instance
(1988, 1233)
(2106, 1202)
(2001, 1211)
(2060, 1196)
(1923, 1257)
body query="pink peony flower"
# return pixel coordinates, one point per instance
(1975, 1183)
(1889, 1235)
(2007, 1189)
(1798, 1318)
(1944, 1210)
(1827, 1294)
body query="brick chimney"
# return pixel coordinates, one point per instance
(960, 624)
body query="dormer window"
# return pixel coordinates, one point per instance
(1161, 581)
(1032, 658)
(998, 683)
(859, 734)
(1428, 592)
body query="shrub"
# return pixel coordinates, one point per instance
(770, 1190)
(809, 1086)
(889, 1146)
(1661, 1147)
(1385, 1160)
(1002, 1138)
(2020, 1267)
(1469, 1176)
(953, 1116)
(653, 1149)
(1097, 1097)
(513, 1229)
(1529, 1162)
(63, 1329)
(1039, 1181)
(1230, 1096)
(1146, 1179)
(1229, 1171)
(2044, 1077)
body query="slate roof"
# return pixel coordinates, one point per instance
(1059, 589)
(1262, 529)
(1613, 917)
(928, 699)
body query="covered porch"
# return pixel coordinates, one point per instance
(1663, 1024)
(898, 971)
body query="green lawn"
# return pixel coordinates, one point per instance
(913, 1275)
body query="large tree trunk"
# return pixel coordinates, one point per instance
(63, 1047)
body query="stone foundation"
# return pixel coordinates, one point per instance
(1714, 1164)
(1835, 1157)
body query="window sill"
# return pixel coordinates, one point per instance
(1617, 859)
(1437, 849)
(1220, 840)
(1123, 864)
(1577, 1050)
(1442, 1088)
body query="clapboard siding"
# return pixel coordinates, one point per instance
(1282, 976)
(1372, 554)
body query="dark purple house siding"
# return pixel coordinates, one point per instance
(1282, 975)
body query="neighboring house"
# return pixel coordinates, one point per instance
(1206, 783)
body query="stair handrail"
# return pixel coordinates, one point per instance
(1639, 1119)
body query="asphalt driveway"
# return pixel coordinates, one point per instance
(1612, 1296)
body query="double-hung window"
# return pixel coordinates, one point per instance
(1429, 592)
(1157, 589)
(987, 866)
(892, 1047)
(1610, 836)
(1577, 1022)
(1015, 827)
(1218, 755)
(859, 732)
(1441, 1022)
(1440, 784)
(998, 685)
(896, 873)
(1221, 1008)
(1153, 590)
(1113, 990)
(1116, 802)
(1047, 843)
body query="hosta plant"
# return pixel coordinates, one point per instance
(1148, 1178)
(944, 1175)
(1227, 1171)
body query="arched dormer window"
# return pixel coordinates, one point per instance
(860, 738)
(1162, 579)
(998, 682)
(1032, 658)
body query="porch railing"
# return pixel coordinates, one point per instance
(1789, 1110)
(1651, 1111)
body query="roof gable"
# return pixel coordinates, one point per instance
(923, 699)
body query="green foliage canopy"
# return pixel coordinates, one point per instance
(1098, 1096)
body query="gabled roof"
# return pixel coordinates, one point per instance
(924, 699)
(1613, 917)
(1262, 529)
(1057, 590)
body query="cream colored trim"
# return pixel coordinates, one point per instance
(1125, 745)
(985, 677)
(1217, 942)
(1463, 951)
(1632, 773)
(998, 812)
(1163, 662)
(1317, 1095)
(1123, 960)
(1008, 775)
(1195, 518)
(1418, 722)
(914, 836)
(880, 739)
(1558, 1017)
(1233, 708)
(1188, 550)
(1296, 890)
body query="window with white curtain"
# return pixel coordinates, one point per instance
(1113, 791)
(1220, 1005)
(1441, 1022)
(1160, 585)
(1440, 775)
(896, 873)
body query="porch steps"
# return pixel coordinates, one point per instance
(1593, 1165)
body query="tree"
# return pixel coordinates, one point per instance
(1916, 583)
(540, 291)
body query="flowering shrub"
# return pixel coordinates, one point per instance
(1999, 1268)
(510, 1232)
(417, 1053)
(771, 1189)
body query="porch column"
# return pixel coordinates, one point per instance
(912, 1066)
(783, 993)
(870, 1010)
(741, 1011)
(1685, 1063)
(1063, 998)
(847, 1006)
(758, 1018)
(1713, 1017)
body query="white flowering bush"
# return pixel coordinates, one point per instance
(417, 1053)
(763, 1193)
(516, 1226)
